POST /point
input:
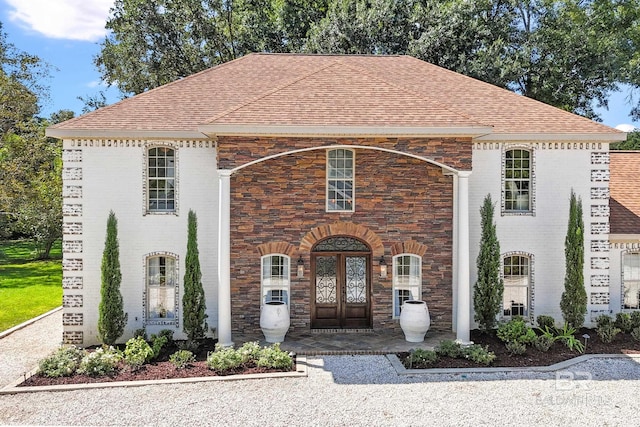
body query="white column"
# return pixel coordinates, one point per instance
(224, 259)
(463, 314)
(454, 257)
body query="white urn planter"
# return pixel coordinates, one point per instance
(415, 320)
(274, 321)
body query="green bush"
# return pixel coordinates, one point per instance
(607, 332)
(137, 352)
(566, 334)
(167, 333)
(224, 359)
(636, 333)
(250, 351)
(274, 358)
(421, 356)
(543, 343)
(449, 348)
(603, 320)
(635, 319)
(623, 322)
(478, 354)
(157, 342)
(62, 363)
(182, 358)
(516, 348)
(545, 322)
(141, 332)
(103, 361)
(516, 330)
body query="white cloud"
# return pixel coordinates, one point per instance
(626, 128)
(63, 19)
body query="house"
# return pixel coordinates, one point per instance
(342, 185)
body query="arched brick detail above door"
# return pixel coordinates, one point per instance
(277, 248)
(408, 247)
(342, 229)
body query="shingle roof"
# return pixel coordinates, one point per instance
(332, 90)
(624, 185)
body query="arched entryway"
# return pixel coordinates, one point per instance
(341, 283)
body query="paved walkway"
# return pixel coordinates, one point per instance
(21, 351)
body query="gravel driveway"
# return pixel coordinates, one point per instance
(348, 391)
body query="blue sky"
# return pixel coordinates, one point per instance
(66, 34)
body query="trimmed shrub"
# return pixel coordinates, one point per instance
(274, 358)
(635, 334)
(543, 343)
(168, 333)
(516, 330)
(545, 322)
(607, 332)
(421, 356)
(193, 299)
(182, 359)
(137, 352)
(635, 319)
(62, 363)
(157, 342)
(603, 320)
(141, 332)
(516, 348)
(103, 361)
(623, 322)
(573, 302)
(250, 351)
(224, 359)
(478, 354)
(449, 348)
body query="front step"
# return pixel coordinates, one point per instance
(342, 331)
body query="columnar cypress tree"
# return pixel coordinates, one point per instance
(488, 289)
(574, 298)
(193, 300)
(111, 316)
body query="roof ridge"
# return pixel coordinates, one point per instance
(150, 91)
(512, 93)
(269, 92)
(414, 93)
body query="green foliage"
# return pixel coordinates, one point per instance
(635, 319)
(182, 359)
(543, 342)
(545, 321)
(193, 300)
(488, 289)
(607, 332)
(623, 322)
(421, 357)
(168, 333)
(138, 352)
(62, 363)
(102, 361)
(111, 316)
(250, 351)
(449, 348)
(157, 342)
(478, 354)
(224, 359)
(274, 358)
(603, 320)
(573, 302)
(140, 332)
(632, 142)
(566, 335)
(516, 348)
(635, 334)
(516, 330)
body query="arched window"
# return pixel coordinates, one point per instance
(631, 280)
(517, 180)
(275, 278)
(340, 180)
(516, 271)
(161, 179)
(407, 280)
(161, 288)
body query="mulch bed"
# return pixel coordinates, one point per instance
(160, 369)
(622, 344)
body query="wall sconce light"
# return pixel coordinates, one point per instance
(383, 268)
(300, 267)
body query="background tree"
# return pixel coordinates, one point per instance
(193, 300)
(574, 298)
(632, 142)
(111, 316)
(489, 287)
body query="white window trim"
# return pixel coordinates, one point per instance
(623, 282)
(416, 289)
(353, 182)
(285, 286)
(531, 294)
(532, 180)
(145, 315)
(145, 179)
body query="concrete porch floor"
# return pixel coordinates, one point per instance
(350, 341)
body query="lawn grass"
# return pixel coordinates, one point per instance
(28, 287)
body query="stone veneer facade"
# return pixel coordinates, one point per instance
(401, 204)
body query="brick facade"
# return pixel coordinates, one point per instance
(401, 203)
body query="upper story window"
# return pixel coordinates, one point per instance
(407, 280)
(518, 187)
(631, 280)
(162, 286)
(275, 278)
(340, 180)
(161, 176)
(517, 285)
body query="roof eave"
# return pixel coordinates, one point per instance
(343, 131)
(553, 137)
(122, 134)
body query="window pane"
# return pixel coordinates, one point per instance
(161, 283)
(516, 286)
(340, 180)
(517, 172)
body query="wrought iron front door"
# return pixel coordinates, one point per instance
(340, 294)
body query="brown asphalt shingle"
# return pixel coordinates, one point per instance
(624, 185)
(332, 90)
